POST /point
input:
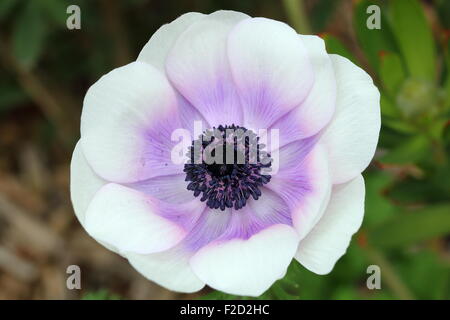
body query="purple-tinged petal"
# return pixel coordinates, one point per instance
(317, 109)
(134, 222)
(257, 215)
(271, 69)
(331, 236)
(303, 181)
(352, 135)
(247, 266)
(270, 209)
(171, 188)
(126, 125)
(198, 67)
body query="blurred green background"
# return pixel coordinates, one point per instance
(46, 70)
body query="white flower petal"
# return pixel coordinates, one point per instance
(129, 221)
(303, 182)
(318, 108)
(126, 125)
(169, 269)
(84, 183)
(247, 267)
(156, 49)
(331, 236)
(171, 188)
(352, 135)
(271, 69)
(198, 67)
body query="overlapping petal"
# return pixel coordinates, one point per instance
(84, 183)
(329, 239)
(271, 69)
(313, 113)
(247, 266)
(198, 67)
(132, 221)
(352, 135)
(156, 49)
(169, 269)
(303, 182)
(127, 122)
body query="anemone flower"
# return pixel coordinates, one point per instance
(234, 226)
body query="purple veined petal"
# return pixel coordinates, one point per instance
(270, 209)
(134, 222)
(352, 135)
(169, 269)
(155, 53)
(189, 116)
(208, 227)
(312, 114)
(303, 182)
(247, 266)
(331, 236)
(271, 69)
(257, 215)
(197, 65)
(126, 125)
(170, 188)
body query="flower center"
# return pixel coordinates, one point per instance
(227, 166)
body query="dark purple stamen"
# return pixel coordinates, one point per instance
(227, 185)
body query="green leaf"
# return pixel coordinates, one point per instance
(29, 35)
(414, 37)
(412, 227)
(372, 41)
(392, 73)
(334, 45)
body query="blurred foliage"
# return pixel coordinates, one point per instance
(102, 294)
(407, 223)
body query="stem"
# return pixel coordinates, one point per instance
(295, 10)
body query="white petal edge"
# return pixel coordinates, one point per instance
(84, 183)
(119, 111)
(270, 67)
(352, 135)
(169, 269)
(156, 49)
(127, 219)
(316, 111)
(197, 66)
(329, 239)
(247, 267)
